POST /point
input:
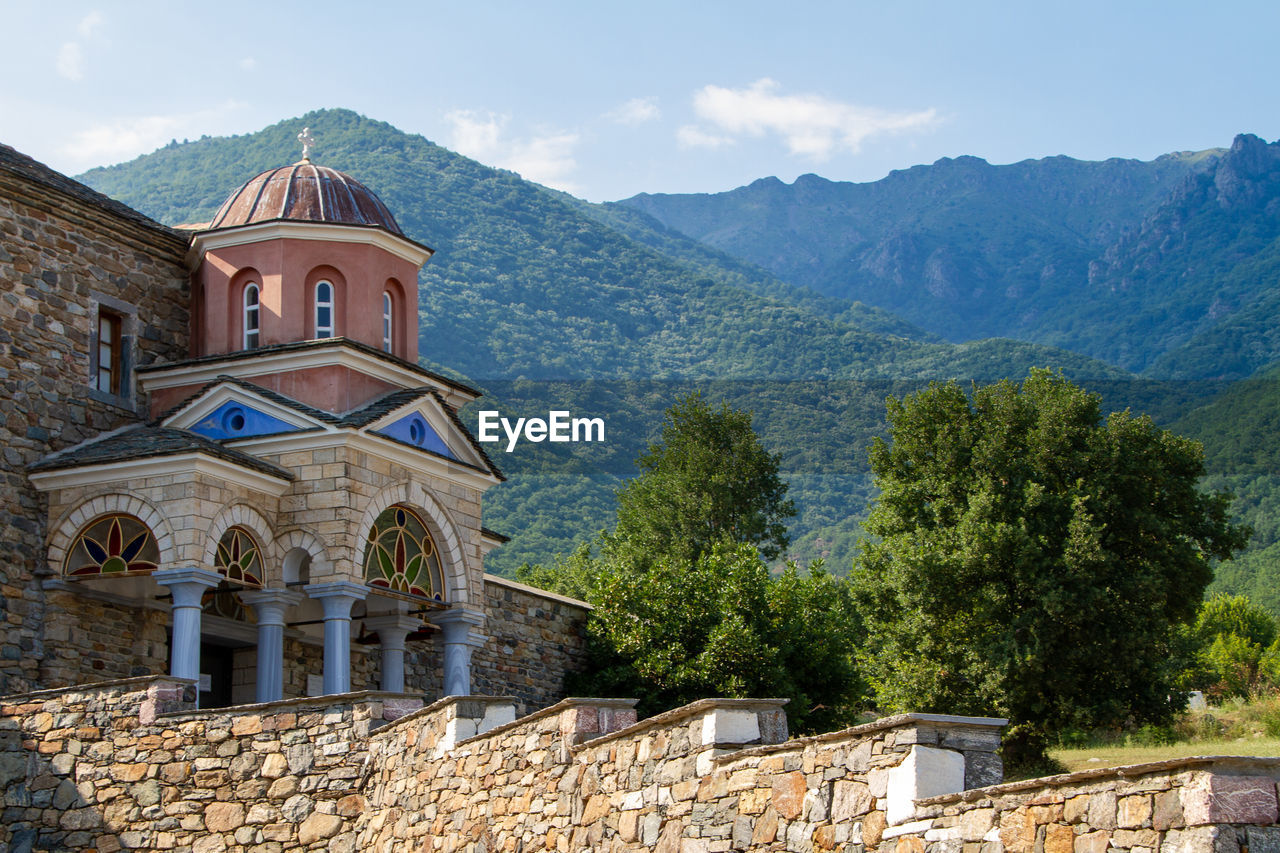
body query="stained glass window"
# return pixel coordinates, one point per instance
(239, 558)
(113, 545)
(401, 555)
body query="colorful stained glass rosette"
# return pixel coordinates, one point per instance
(239, 558)
(401, 555)
(113, 545)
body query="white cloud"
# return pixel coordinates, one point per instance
(812, 125)
(636, 111)
(90, 24)
(546, 158)
(70, 61)
(125, 138)
(691, 136)
(248, 63)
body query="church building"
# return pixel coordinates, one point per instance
(223, 462)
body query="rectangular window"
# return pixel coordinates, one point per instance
(110, 352)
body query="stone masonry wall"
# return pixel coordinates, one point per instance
(129, 765)
(59, 253)
(1215, 805)
(535, 638)
(582, 776)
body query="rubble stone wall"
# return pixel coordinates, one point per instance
(60, 257)
(130, 765)
(581, 775)
(1217, 805)
(535, 638)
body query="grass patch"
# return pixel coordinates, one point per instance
(1237, 727)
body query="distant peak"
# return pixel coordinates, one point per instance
(1247, 142)
(962, 160)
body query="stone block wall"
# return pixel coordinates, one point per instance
(129, 765)
(1215, 805)
(710, 776)
(535, 637)
(62, 250)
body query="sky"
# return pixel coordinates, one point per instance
(606, 100)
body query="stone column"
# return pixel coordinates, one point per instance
(188, 586)
(392, 630)
(269, 606)
(459, 639)
(337, 597)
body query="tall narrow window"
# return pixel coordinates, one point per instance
(324, 310)
(110, 351)
(251, 316)
(386, 322)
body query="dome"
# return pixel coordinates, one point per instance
(305, 192)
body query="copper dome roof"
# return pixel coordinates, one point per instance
(305, 192)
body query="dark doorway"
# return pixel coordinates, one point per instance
(216, 666)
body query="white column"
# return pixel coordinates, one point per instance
(188, 586)
(457, 626)
(337, 597)
(392, 630)
(269, 606)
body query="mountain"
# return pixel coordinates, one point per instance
(1239, 429)
(546, 301)
(1170, 266)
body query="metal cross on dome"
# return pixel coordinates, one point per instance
(307, 141)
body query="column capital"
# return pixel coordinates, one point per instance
(398, 622)
(187, 574)
(337, 597)
(459, 625)
(187, 584)
(270, 604)
(357, 591)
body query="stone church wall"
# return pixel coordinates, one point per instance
(60, 254)
(535, 638)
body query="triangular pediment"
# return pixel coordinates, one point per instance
(419, 418)
(415, 429)
(230, 409)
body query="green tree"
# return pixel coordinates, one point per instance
(1033, 560)
(709, 480)
(684, 605)
(720, 625)
(1235, 648)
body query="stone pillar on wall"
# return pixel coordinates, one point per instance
(188, 586)
(392, 630)
(337, 598)
(269, 606)
(457, 626)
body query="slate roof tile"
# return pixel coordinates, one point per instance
(147, 442)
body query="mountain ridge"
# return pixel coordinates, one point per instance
(545, 300)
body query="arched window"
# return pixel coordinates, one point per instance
(401, 555)
(251, 300)
(113, 545)
(239, 557)
(324, 309)
(386, 321)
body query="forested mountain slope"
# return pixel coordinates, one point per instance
(963, 248)
(547, 302)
